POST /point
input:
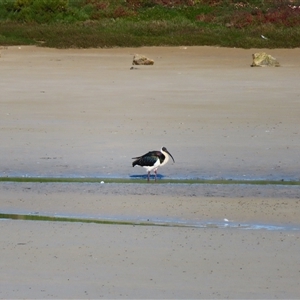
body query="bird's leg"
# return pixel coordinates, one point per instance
(148, 176)
(155, 173)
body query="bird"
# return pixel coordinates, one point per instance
(152, 160)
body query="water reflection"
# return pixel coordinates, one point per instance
(150, 222)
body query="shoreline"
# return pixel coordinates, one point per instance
(165, 222)
(142, 179)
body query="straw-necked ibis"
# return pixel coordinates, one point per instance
(152, 160)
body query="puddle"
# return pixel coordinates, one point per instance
(149, 222)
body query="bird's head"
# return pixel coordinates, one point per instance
(164, 149)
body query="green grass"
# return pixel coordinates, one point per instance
(135, 23)
(143, 181)
(82, 220)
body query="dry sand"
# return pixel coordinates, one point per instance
(85, 113)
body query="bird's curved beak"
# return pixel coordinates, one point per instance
(170, 155)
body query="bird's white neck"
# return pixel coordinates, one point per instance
(166, 157)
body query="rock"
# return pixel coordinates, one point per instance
(142, 60)
(263, 59)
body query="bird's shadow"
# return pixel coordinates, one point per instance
(159, 176)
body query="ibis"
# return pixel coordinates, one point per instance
(152, 160)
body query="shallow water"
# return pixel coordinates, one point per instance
(143, 179)
(165, 222)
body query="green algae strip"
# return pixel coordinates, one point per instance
(144, 181)
(84, 220)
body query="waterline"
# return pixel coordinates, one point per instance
(150, 222)
(130, 180)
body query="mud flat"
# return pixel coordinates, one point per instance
(219, 259)
(85, 113)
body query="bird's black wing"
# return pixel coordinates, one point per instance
(148, 159)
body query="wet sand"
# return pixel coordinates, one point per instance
(85, 113)
(42, 259)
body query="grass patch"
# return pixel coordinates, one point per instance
(135, 23)
(144, 181)
(76, 220)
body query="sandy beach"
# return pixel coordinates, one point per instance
(78, 112)
(85, 113)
